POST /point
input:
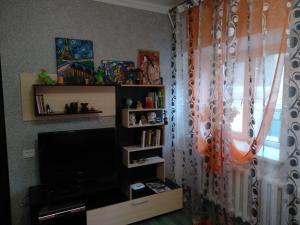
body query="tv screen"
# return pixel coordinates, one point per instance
(77, 156)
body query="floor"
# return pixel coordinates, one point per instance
(180, 217)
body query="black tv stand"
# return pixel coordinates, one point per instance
(49, 203)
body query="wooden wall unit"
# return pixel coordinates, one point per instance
(139, 204)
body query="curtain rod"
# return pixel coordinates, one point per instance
(186, 4)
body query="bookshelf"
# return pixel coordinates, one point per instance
(141, 135)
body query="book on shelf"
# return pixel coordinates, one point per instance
(150, 138)
(157, 135)
(143, 137)
(153, 138)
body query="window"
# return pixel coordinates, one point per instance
(239, 125)
(271, 148)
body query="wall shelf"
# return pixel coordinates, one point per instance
(149, 161)
(145, 125)
(69, 114)
(144, 109)
(135, 148)
(58, 95)
(74, 85)
(142, 85)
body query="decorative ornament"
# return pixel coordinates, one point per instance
(128, 102)
(44, 78)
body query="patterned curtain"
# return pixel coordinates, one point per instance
(230, 72)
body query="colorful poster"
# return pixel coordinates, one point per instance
(74, 59)
(150, 66)
(116, 72)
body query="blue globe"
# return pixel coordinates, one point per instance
(128, 102)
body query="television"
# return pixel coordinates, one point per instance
(78, 156)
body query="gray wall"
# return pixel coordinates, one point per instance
(28, 29)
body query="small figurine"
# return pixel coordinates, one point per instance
(48, 110)
(44, 78)
(139, 105)
(100, 76)
(133, 76)
(67, 108)
(143, 119)
(130, 77)
(84, 107)
(158, 120)
(132, 120)
(151, 117)
(165, 117)
(74, 107)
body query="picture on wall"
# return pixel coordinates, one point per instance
(149, 64)
(116, 72)
(75, 60)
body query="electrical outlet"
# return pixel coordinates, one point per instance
(28, 153)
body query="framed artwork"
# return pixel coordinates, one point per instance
(75, 60)
(116, 72)
(149, 64)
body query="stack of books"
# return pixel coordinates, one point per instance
(40, 103)
(150, 138)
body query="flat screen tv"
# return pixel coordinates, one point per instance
(78, 156)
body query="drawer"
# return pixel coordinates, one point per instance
(137, 209)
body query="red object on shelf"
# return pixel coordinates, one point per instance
(149, 102)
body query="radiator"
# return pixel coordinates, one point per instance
(270, 196)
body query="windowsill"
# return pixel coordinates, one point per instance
(271, 155)
(270, 161)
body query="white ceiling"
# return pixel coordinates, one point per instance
(169, 3)
(160, 6)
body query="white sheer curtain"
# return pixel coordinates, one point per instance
(220, 91)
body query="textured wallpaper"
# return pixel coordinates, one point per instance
(27, 32)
